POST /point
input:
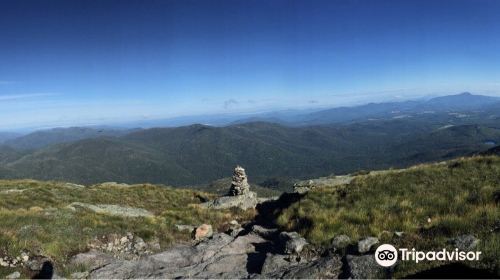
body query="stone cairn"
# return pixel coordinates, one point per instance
(239, 184)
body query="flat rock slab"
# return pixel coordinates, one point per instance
(305, 186)
(92, 259)
(221, 256)
(323, 268)
(244, 201)
(113, 210)
(114, 184)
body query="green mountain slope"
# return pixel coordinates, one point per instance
(43, 138)
(200, 154)
(98, 160)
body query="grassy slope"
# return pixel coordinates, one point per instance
(37, 220)
(458, 197)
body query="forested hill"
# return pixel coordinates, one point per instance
(199, 154)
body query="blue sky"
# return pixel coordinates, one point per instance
(81, 62)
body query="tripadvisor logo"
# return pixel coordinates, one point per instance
(386, 255)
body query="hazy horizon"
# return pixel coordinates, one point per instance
(70, 63)
(189, 119)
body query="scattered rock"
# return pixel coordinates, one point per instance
(328, 267)
(293, 242)
(185, 228)
(364, 267)
(35, 263)
(139, 244)
(466, 242)
(202, 232)
(234, 228)
(73, 186)
(221, 256)
(340, 242)
(114, 210)
(244, 256)
(264, 232)
(24, 257)
(366, 244)
(333, 181)
(239, 184)
(13, 275)
(114, 184)
(124, 247)
(92, 259)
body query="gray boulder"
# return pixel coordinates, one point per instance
(189, 228)
(13, 275)
(364, 267)
(202, 232)
(275, 264)
(35, 263)
(340, 242)
(324, 268)
(246, 201)
(91, 260)
(293, 242)
(234, 228)
(264, 232)
(366, 244)
(466, 242)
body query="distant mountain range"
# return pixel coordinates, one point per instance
(445, 104)
(341, 140)
(5, 136)
(42, 138)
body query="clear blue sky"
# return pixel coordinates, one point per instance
(75, 62)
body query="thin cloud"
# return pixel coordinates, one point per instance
(230, 103)
(11, 97)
